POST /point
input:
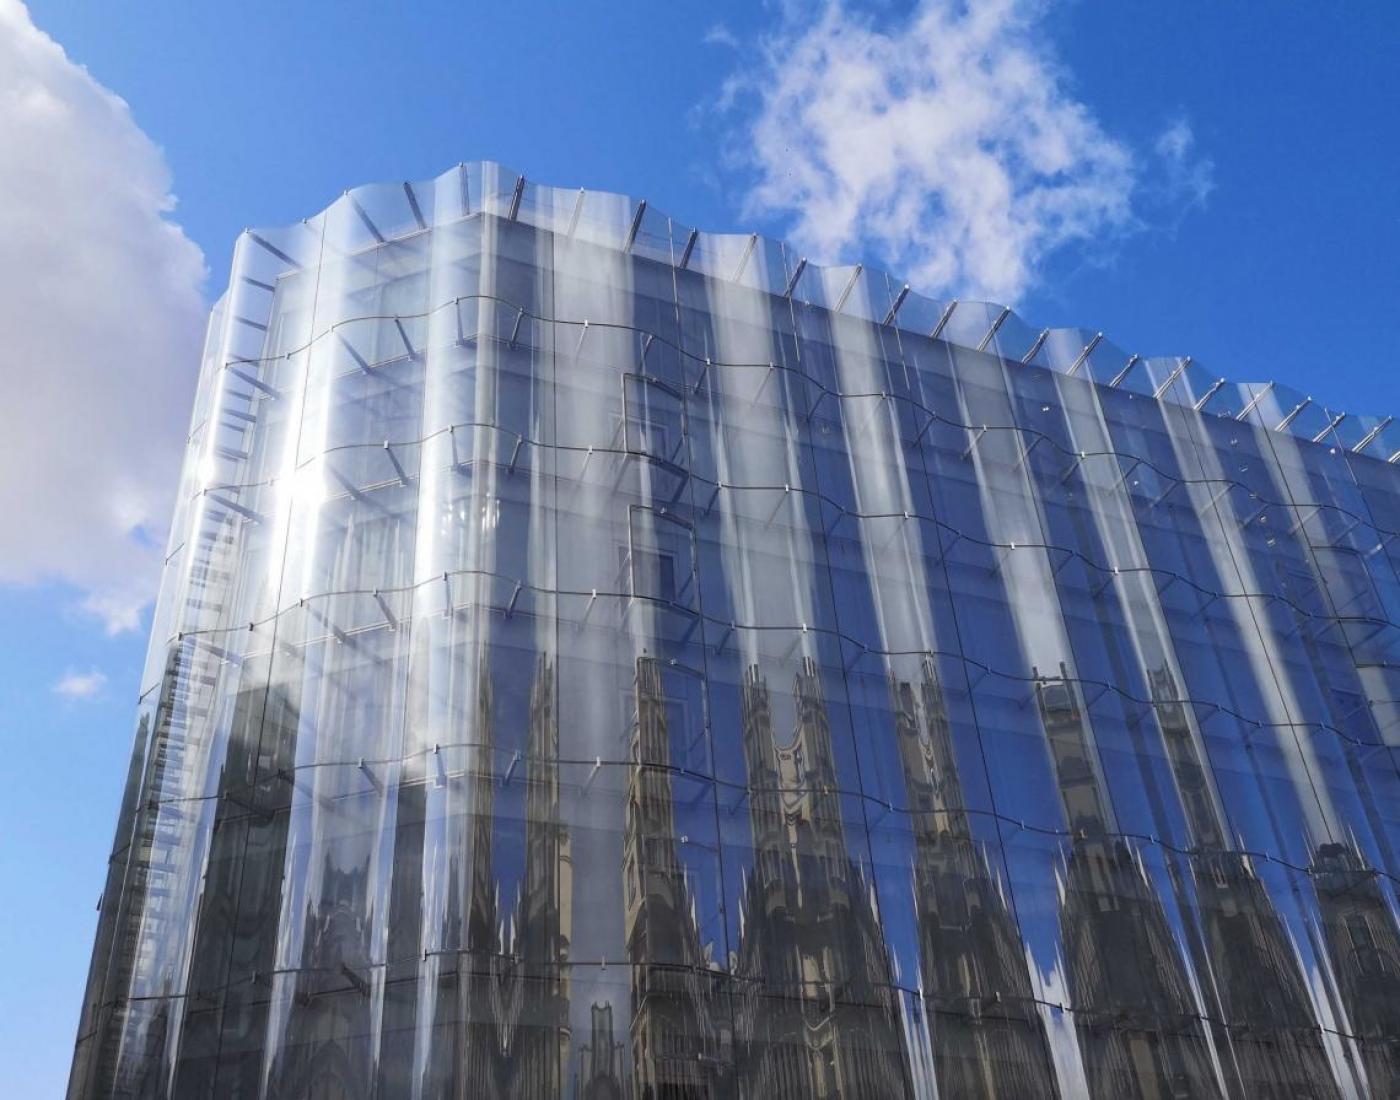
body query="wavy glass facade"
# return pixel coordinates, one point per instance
(598, 659)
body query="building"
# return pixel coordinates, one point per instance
(602, 660)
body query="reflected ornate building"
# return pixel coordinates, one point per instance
(601, 1058)
(816, 1013)
(538, 944)
(114, 958)
(1360, 931)
(510, 1025)
(1139, 1028)
(679, 1051)
(989, 1039)
(475, 1018)
(1267, 1025)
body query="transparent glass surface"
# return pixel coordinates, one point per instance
(598, 659)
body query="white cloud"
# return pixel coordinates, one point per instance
(720, 35)
(947, 143)
(100, 325)
(80, 685)
(1187, 179)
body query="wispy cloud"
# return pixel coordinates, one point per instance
(720, 35)
(947, 142)
(1187, 177)
(101, 311)
(80, 685)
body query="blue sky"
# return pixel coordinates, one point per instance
(1228, 191)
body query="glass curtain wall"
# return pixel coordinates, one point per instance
(598, 659)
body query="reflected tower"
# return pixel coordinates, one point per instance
(138, 859)
(1136, 1019)
(1270, 1028)
(816, 1013)
(512, 1034)
(480, 964)
(676, 1045)
(538, 944)
(1359, 928)
(114, 954)
(988, 1038)
(600, 1059)
(232, 930)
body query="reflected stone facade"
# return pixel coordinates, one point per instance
(600, 660)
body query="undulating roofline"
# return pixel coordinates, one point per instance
(375, 214)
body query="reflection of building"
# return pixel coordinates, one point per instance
(1361, 939)
(513, 1034)
(123, 904)
(817, 1014)
(545, 921)
(676, 1051)
(233, 912)
(1270, 1031)
(1137, 1022)
(600, 1059)
(479, 963)
(988, 1037)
